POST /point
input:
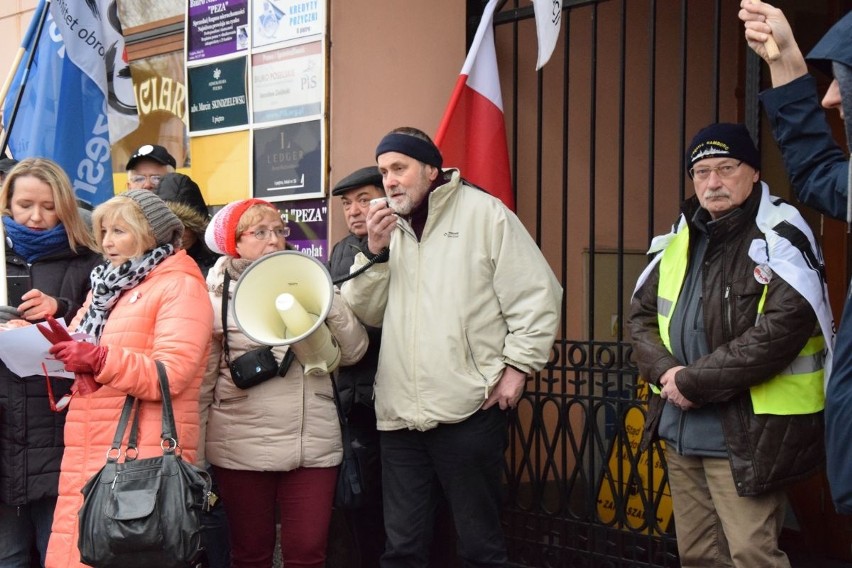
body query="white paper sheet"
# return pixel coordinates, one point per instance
(24, 349)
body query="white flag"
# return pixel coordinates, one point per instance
(548, 21)
(94, 42)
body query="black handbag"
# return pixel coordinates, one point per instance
(143, 512)
(256, 366)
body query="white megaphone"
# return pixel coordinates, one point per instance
(283, 299)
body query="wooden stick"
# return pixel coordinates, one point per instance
(19, 55)
(772, 51)
(16, 62)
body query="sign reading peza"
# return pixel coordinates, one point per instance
(218, 95)
(216, 27)
(308, 222)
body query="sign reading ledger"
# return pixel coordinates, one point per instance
(288, 161)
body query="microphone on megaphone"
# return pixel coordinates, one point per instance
(283, 299)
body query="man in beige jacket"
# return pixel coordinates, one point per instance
(469, 308)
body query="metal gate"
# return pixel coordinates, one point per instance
(596, 145)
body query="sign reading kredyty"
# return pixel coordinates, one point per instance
(218, 95)
(284, 20)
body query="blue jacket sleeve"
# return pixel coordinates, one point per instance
(816, 164)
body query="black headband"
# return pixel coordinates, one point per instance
(417, 148)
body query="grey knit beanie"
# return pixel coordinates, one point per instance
(165, 224)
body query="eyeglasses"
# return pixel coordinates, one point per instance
(701, 173)
(139, 179)
(63, 402)
(263, 234)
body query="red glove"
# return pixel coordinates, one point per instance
(85, 381)
(80, 356)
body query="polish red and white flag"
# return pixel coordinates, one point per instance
(472, 133)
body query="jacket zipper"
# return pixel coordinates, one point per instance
(727, 322)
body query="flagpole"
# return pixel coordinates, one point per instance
(35, 41)
(16, 63)
(19, 55)
(32, 35)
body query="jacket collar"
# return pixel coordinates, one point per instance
(734, 221)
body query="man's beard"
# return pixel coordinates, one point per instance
(401, 204)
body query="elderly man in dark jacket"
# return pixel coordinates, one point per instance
(819, 171)
(355, 382)
(728, 324)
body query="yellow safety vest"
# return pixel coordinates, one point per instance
(798, 389)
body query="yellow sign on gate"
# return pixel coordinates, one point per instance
(628, 482)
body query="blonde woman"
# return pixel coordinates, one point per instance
(148, 303)
(48, 260)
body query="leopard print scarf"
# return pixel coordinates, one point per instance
(109, 282)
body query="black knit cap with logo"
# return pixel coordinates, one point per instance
(723, 140)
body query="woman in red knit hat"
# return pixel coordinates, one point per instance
(275, 445)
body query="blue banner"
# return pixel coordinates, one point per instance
(62, 116)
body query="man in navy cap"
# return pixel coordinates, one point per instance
(730, 325)
(355, 383)
(147, 166)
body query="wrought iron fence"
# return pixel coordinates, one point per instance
(580, 494)
(596, 143)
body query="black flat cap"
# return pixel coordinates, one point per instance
(359, 178)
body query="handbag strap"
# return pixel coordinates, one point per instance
(225, 293)
(345, 430)
(131, 451)
(114, 451)
(169, 436)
